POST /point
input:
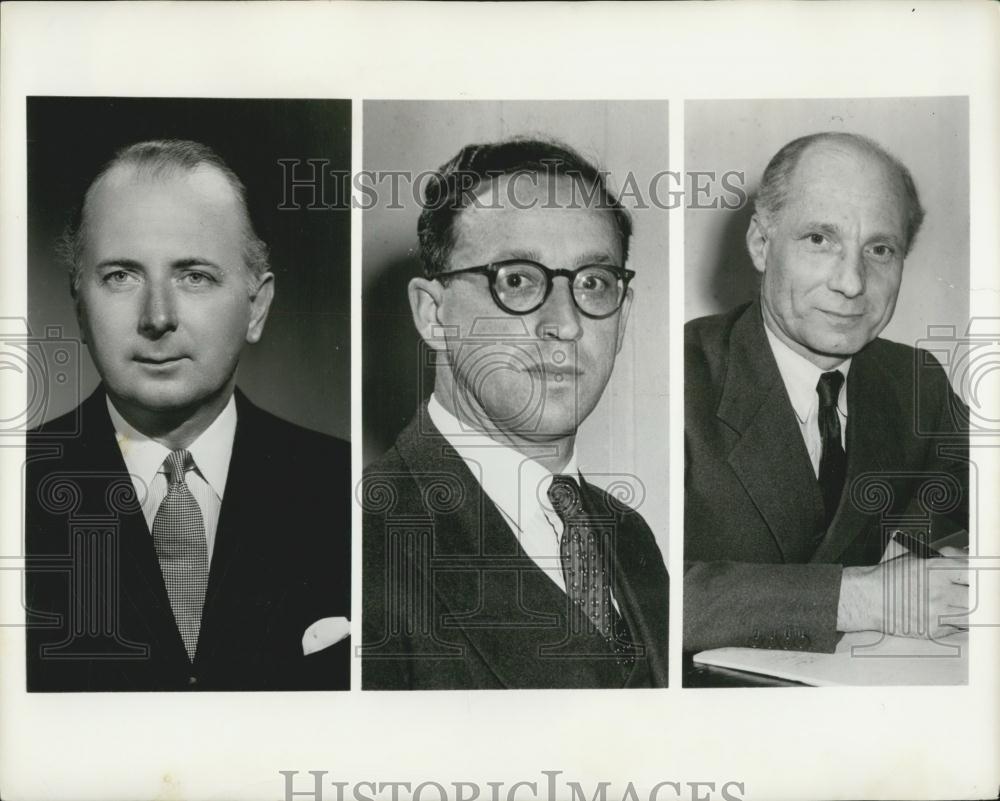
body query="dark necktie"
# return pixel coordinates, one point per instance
(833, 461)
(179, 538)
(584, 562)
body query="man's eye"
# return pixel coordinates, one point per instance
(817, 239)
(883, 252)
(197, 279)
(118, 277)
(517, 280)
(593, 283)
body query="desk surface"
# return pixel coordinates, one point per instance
(861, 659)
(693, 675)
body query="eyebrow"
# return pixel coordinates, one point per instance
(886, 237)
(590, 257)
(823, 228)
(177, 264)
(597, 257)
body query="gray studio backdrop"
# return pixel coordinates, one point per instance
(627, 433)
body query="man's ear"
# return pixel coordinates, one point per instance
(757, 242)
(260, 304)
(623, 319)
(425, 302)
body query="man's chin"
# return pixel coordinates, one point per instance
(165, 400)
(838, 348)
(549, 428)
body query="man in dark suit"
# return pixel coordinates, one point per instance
(810, 442)
(178, 537)
(489, 561)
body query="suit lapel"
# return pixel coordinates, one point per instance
(518, 612)
(755, 405)
(630, 587)
(872, 418)
(143, 593)
(240, 551)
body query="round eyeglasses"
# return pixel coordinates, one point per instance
(521, 286)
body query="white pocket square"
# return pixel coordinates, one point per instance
(324, 633)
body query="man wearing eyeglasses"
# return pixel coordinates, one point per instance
(490, 562)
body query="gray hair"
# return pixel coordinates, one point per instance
(157, 158)
(773, 191)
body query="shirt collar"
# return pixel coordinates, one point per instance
(801, 377)
(211, 451)
(495, 464)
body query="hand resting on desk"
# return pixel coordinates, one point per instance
(907, 596)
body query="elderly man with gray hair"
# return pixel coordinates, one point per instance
(806, 434)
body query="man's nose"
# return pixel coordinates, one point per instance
(848, 276)
(158, 315)
(559, 318)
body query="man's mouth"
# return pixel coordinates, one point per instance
(158, 360)
(843, 315)
(558, 372)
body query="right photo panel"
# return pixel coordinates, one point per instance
(827, 336)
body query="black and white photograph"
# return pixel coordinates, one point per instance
(421, 401)
(515, 391)
(826, 461)
(187, 517)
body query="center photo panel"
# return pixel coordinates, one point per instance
(515, 394)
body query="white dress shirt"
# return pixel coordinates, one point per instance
(517, 485)
(801, 377)
(211, 453)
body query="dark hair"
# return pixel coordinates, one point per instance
(773, 191)
(156, 158)
(455, 183)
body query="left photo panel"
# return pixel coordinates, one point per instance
(187, 476)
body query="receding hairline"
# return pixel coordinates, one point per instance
(160, 171)
(854, 147)
(783, 169)
(128, 171)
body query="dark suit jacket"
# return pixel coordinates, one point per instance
(451, 601)
(98, 612)
(760, 569)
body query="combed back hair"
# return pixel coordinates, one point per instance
(455, 184)
(772, 194)
(159, 158)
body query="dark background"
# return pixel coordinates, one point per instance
(300, 369)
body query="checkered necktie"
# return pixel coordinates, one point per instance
(584, 562)
(179, 538)
(833, 460)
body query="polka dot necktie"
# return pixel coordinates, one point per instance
(584, 562)
(179, 538)
(833, 460)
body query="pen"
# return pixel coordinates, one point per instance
(915, 545)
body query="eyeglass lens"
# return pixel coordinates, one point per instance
(521, 287)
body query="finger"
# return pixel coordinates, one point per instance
(960, 577)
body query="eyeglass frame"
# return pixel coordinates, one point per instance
(490, 271)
